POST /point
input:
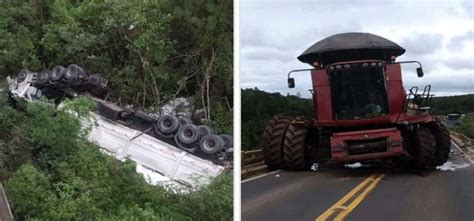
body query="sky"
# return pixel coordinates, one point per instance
(439, 35)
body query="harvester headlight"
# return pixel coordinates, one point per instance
(315, 64)
(393, 58)
(379, 64)
(365, 65)
(331, 68)
(338, 66)
(347, 66)
(373, 64)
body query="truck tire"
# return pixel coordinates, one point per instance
(188, 134)
(184, 120)
(43, 77)
(273, 137)
(168, 124)
(294, 147)
(22, 75)
(425, 149)
(443, 142)
(57, 73)
(211, 144)
(228, 140)
(73, 71)
(204, 130)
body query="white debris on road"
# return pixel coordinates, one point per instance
(315, 167)
(353, 165)
(451, 166)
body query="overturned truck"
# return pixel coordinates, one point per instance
(362, 112)
(169, 148)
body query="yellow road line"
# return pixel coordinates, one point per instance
(359, 199)
(374, 179)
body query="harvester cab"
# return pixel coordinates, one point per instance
(361, 109)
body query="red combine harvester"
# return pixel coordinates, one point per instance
(361, 110)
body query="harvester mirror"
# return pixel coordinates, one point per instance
(419, 71)
(291, 82)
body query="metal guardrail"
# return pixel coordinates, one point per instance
(5, 211)
(252, 163)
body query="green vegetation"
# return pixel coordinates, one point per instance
(51, 172)
(259, 106)
(460, 103)
(466, 126)
(150, 51)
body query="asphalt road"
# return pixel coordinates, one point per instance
(363, 193)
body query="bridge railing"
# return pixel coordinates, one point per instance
(252, 163)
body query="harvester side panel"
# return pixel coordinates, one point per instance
(394, 85)
(322, 89)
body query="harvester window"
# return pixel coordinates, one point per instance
(358, 93)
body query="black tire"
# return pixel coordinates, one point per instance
(273, 137)
(425, 154)
(188, 134)
(168, 124)
(294, 147)
(57, 73)
(73, 74)
(228, 140)
(22, 75)
(184, 120)
(205, 130)
(443, 142)
(189, 148)
(43, 77)
(211, 144)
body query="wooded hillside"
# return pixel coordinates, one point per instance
(150, 51)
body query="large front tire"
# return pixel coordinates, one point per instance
(273, 137)
(443, 142)
(425, 155)
(294, 147)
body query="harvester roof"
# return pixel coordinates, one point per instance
(351, 46)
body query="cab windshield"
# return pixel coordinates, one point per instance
(358, 93)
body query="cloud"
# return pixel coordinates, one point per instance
(440, 36)
(422, 43)
(265, 53)
(457, 42)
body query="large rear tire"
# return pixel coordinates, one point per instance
(443, 142)
(273, 137)
(425, 155)
(294, 147)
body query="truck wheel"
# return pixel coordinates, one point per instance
(443, 142)
(168, 124)
(294, 147)
(211, 143)
(43, 76)
(22, 75)
(188, 134)
(228, 140)
(73, 72)
(273, 137)
(184, 120)
(425, 154)
(204, 130)
(57, 73)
